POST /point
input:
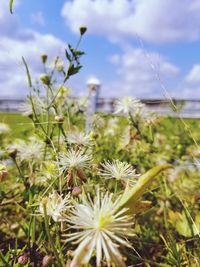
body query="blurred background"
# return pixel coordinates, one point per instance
(140, 48)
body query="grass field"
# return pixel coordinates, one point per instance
(166, 229)
(19, 125)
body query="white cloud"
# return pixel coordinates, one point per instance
(38, 18)
(186, 92)
(139, 74)
(153, 20)
(12, 74)
(194, 75)
(15, 42)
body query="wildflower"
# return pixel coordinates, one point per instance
(56, 206)
(31, 150)
(118, 170)
(128, 105)
(33, 105)
(4, 128)
(100, 228)
(74, 159)
(78, 138)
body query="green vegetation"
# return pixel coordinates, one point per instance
(82, 189)
(20, 126)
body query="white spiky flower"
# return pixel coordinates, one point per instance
(35, 103)
(128, 105)
(56, 206)
(118, 170)
(30, 150)
(74, 159)
(100, 228)
(4, 128)
(79, 138)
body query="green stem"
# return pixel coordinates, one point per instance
(19, 170)
(4, 261)
(49, 236)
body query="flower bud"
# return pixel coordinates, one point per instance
(69, 179)
(23, 259)
(59, 119)
(76, 191)
(60, 66)
(44, 58)
(81, 175)
(45, 79)
(82, 29)
(12, 153)
(3, 175)
(46, 261)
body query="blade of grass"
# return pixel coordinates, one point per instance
(27, 72)
(131, 195)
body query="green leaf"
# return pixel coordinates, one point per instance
(27, 72)
(183, 226)
(67, 55)
(11, 6)
(131, 195)
(72, 70)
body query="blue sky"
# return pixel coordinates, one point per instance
(130, 45)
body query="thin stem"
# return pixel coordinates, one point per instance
(19, 170)
(49, 236)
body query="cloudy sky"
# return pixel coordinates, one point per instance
(142, 48)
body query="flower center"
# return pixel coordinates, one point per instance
(104, 220)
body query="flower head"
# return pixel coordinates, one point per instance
(78, 138)
(128, 105)
(35, 103)
(100, 228)
(118, 170)
(31, 150)
(74, 159)
(56, 206)
(4, 128)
